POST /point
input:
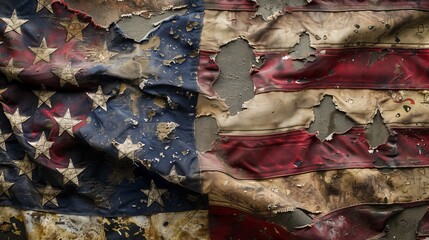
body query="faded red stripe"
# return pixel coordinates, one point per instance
(357, 222)
(208, 71)
(231, 5)
(228, 223)
(356, 68)
(322, 5)
(423, 228)
(259, 157)
(349, 5)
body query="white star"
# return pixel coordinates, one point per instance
(11, 71)
(70, 173)
(44, 4)
(103, 55)
(1, 92)
(74, 28)
(174, 177)
(49, 195)
(44, 97)
(127, 148)
(99, 99)
(3, 138)
(67, 74)
(25, 167)
(16, 120)
(4, 186)
(43, 52)
(42, 146)
(66, 123)
(154, 194)
(14, 23)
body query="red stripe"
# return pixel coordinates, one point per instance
(231, 5)
(322, 5)
(423, 228)
(349, 5)
(357, 222)
(259, 157)
(228, 223)
(346, 68)
(208, 71)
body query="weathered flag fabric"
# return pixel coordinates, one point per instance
(98, 137)
(266, 170)
(93, 123)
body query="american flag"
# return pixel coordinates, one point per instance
(98, 138)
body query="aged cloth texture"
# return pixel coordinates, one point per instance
(98, 137)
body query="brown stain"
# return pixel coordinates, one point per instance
(164, 130)
(159, 101)
(152, 44)
(135, 96)
(105, 12)
(6, 227)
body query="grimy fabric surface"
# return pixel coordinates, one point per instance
(98, 138)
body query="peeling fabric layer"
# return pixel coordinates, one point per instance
(290, 111)
(382, 29)
(317, 192)
(104, 12)
(299, 152)
(40, 225)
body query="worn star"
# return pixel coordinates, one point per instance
(16, 119)
(67, 75)
(74, 28)
(44, 4)
(43, 52)
(42, 146)
(3, 138)
(4, 186)
(174, 177)
(11, 71)
(1, 93)
(127, 148)
(13, 23)
(99, 99)
(70, 173)
(104, 55)
(154, 194)
(25, 166)
(66, 123)
(49, 195)
(44, 97)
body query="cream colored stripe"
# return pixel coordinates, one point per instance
(273, 112)
(42, 225)
(381, 29)
(323, 191)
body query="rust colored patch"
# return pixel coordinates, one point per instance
(42, 225)
(159, 101)
(6, 227)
